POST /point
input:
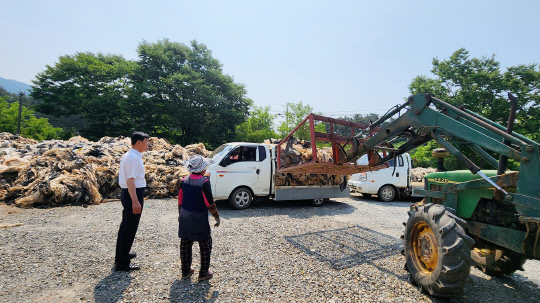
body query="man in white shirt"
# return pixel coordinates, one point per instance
(131, 180)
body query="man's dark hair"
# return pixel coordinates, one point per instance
(138, 136)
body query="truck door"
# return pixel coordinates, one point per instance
(238, 168)
(400, 173)
(262, 187)
(397, 177)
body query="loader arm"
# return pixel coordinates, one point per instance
(425, 123)
(428, 118)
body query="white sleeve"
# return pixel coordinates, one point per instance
(131, 167)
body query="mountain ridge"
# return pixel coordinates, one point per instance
(14, 86)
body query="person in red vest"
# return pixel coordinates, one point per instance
(195, 200)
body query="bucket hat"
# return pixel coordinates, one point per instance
(197, 164)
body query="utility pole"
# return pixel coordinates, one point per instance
(287, 116)
(21, 94)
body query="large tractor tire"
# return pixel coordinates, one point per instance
(497, 262)
(437, 250)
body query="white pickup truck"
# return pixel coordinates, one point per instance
(388, 183)
(243, 170)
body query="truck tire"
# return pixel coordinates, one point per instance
(241, 198)
(497, 262)
(387, 193)
(318, 202)
(437, 250)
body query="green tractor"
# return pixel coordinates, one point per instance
(484, 218)
(460, 224)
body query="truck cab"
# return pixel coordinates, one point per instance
(387, 183)
(241, 165)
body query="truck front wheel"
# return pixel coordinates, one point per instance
(387, 193)
(241, 198)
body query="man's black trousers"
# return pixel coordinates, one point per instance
(128, 227)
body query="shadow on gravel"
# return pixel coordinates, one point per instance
(295, 209)
(349, 247)
(375, 199)
(482, 288)
(186, 291)
(112, 287)
(353, 246)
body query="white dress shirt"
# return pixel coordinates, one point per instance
(131, 166)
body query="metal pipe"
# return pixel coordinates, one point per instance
(388, 149)
(478, 121)
(456, 153)
(498, 126)
(503, 160)
(481, 174)
(388, 115)
(313, 142)
(483, 154)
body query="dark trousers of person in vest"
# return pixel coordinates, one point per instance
(128, 227)
(186, 255)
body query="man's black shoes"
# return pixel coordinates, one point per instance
(128, 267)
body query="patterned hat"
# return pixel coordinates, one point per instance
(197, 164)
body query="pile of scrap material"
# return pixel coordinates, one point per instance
(296, 152)
(418, 173)
(289, 179)
(79, 172)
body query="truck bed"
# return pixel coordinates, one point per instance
(310, 192)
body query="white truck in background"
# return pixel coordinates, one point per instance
(388, 183)
(242, 171)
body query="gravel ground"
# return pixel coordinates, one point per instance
(348, 250)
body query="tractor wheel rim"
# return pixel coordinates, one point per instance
(425, 252)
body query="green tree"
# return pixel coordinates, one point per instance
(343, 130)
(180, 93)
(86, 84)
(258, 127)
(294, 115)
(11, 97)
(524, 81)
(3, 92)
(480, 86)
(31, 127)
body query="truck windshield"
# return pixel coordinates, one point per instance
(219, 152)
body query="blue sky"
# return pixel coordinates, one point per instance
(340, 57)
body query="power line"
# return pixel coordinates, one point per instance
(345, 111)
